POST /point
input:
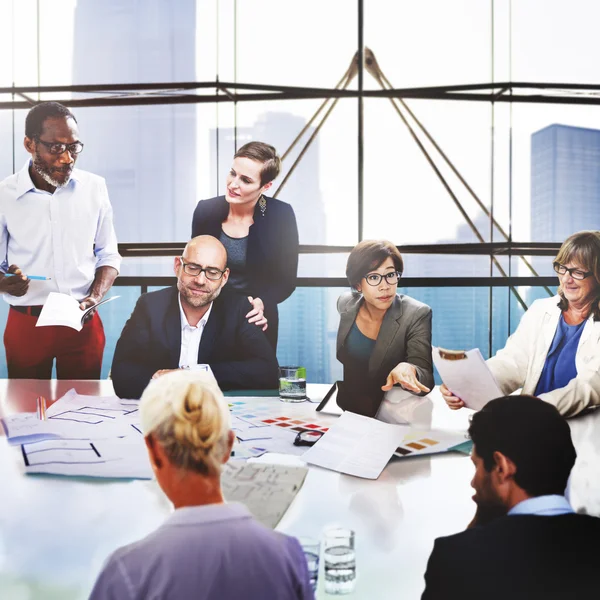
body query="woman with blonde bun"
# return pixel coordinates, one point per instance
(206, 549)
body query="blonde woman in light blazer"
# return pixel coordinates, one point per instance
(555, 351)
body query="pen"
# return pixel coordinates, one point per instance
(38, 277)
(41, 408)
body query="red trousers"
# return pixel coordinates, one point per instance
(30, 350)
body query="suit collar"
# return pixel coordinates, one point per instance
(552, 317)
(209, 335)
(173, 328)
(387, 333)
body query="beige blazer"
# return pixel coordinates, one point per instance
(405, 336)
(520, 363)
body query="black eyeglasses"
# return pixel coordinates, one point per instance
(375, 278)
(574, 273)
(308, 438)
(58, 148)
(211, 273)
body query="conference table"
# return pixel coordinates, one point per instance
(56, 532)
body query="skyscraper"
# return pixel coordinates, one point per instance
(565, 182)
(565, 187)
(303, 318)
(146, 153)
(461, 314)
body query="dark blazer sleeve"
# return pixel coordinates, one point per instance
(418, 346)
(133, 363)
(443, 576)
(253, 365)
(280, 283)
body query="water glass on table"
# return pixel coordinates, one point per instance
(292, 384)
(340, 561)
(312, 551)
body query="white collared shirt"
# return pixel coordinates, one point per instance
(66, 235)
(550, 505)
(190, 337)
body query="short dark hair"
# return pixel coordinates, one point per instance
(34, 122)
(533, 434)
(265, 154)
(369, 255)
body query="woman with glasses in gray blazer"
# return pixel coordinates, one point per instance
(384, 338)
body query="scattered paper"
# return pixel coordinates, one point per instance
(117, 458)
(361, 446)
(266, 490)
(26, 427)
(62, 309)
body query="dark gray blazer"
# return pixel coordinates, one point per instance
(405, 336)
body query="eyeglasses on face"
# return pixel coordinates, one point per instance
(194, 270)
(375, 278)
(58, 148)
(574, 273)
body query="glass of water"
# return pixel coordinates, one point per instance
(340, 561)
(312, 551)
(292, 384)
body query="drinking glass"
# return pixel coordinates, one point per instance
(292, 384)
(340, 561)
(312, 551)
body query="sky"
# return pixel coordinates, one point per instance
(431, 42)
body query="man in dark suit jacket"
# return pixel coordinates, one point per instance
(192, 324)
(538, 548)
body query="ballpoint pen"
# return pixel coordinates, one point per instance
(41, 408)
(37, 277)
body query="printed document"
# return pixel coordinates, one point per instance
(361, 446)
(267, 490)
(117, 458)
(467, 376)
(62, 309)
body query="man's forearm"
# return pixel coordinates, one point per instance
(103, 280)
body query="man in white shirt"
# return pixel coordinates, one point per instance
(191, 324)
(56, 225)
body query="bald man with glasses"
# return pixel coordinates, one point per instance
(191, 324)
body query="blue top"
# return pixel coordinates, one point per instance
(559, 367)
(205, 552)
(359, 346)
(551, 505)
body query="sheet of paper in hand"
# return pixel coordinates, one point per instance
(62, 309)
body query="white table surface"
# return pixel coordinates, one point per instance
(55, 533)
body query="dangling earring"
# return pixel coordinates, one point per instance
(262, 204)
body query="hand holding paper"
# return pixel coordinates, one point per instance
(62, 309)
(466, 376)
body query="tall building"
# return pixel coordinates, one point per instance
(461, 314)
(565, 187)
(565, 182)
(303, 318)
(146, 153)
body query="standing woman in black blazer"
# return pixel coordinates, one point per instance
(259, 233)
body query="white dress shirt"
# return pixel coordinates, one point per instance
(66, 235)
(190, 337)
(543, 506)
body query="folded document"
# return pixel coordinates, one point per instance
(62, 309)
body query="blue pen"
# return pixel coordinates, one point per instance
(37, 277)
